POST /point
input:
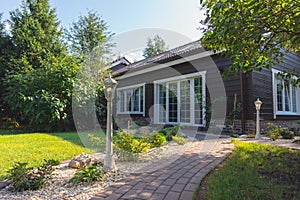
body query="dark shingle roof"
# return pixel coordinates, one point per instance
(165, 56)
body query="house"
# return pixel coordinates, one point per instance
(184, 85)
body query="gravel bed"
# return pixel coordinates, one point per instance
(60, 188)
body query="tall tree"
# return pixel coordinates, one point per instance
(154, 46)
(40, 79)
(5, 54)
(89, 32)
(252, 33)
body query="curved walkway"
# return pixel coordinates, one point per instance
(177, 180)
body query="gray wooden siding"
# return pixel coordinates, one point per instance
(262, 84)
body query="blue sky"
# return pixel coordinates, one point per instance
(180, 16)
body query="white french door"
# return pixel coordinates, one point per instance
(181, 101)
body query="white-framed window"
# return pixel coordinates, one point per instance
(131, 99)
(286, 96)
(181, 99)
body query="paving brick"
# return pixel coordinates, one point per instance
(96, 198)
(176, 175)
(150, 187)
(178, 187)
(172, 195)
(170, 181)
(190, 187)
(145, 194)
(114, 197)
(157, 196)
(188, 175)
(183, 180)
(131, 194)
(140, 185)
(123, 189)
(163, 189)
(186, 195)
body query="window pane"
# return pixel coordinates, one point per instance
(279, 87)
(173, 104)
(287, 96)
(122, 101)
(141, 99)
(294, 106)
(136, 100)
(198, 100)
(185, 101)
(162, 102)
(128, 107)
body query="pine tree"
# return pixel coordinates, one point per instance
(154, 47)
(41, 74)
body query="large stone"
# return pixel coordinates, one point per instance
(82, 161)
(145, 130)
(5, 183)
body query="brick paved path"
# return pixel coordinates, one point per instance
(178, 180)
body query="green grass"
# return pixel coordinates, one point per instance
(33, 148)
(256, 171)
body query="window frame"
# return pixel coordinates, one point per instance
(178, 79)
(132, 89)
(283, 98)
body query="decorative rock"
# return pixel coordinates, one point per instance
(82, 161)
(5, 183)
(145, 130)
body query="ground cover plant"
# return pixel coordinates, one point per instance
(256, 171)
(35, 147)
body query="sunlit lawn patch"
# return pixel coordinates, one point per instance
(256, 171)
(35, 147)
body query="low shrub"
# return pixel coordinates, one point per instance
(88, 175)
(141, 123)
(98, 143)
(179, 140)
(8, 123)
(157, 140)
(287, 134)
(273, 132)
(172, 131)
(26, 178)
(129, 143)
(250, 135)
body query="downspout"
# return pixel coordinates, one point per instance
(242, 101)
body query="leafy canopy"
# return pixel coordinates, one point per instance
(154, 46)
(40, 77)
(252, 33)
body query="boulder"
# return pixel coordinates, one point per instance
(5, 183)
(82, 161)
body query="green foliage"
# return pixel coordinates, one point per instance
(252, 33)
(287, 134)
(157, 140)
(155, 46)
(6, 52)
(274, 132)
(127, 142)
(34, 148)
(26, 178)
(172, 131)
(179, 140)
(40, 75)
(88, 175)
(256, 171)
(99, 143)
(89, 32)
(9, 123)
(141, 123)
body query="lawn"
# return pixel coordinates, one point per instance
(256, 171)
(33, 148)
